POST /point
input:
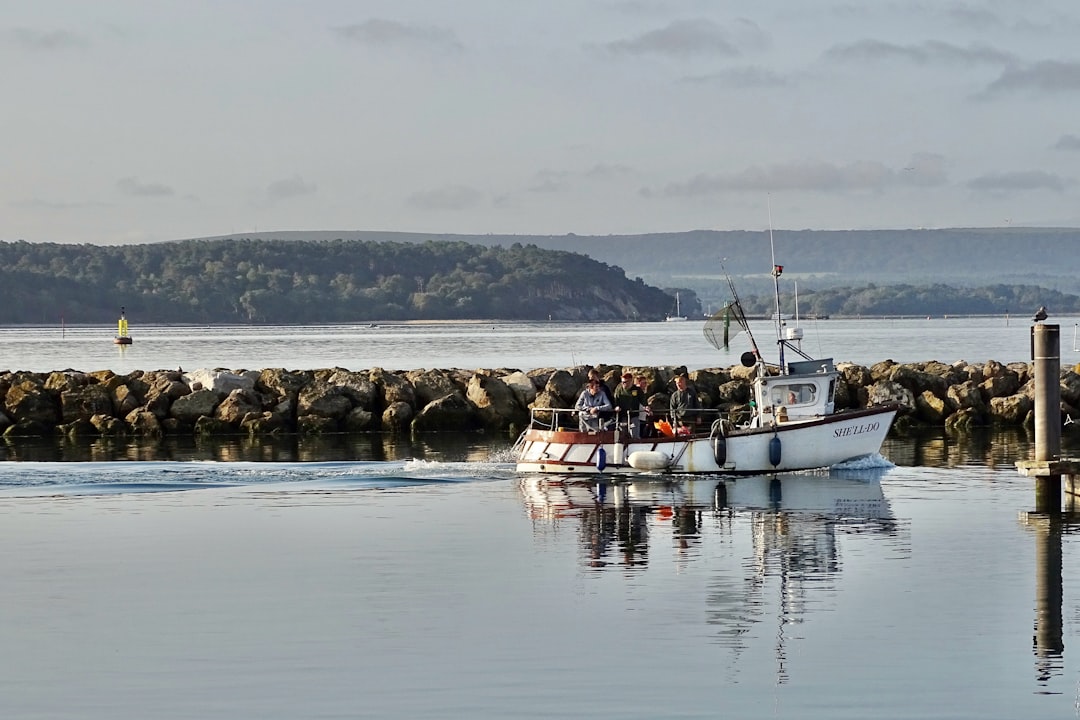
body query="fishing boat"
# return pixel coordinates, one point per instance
(791, 424)
(678, 316)
(122, 337)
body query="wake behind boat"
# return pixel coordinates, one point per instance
(792, 424)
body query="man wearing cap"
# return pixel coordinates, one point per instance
(628, 400)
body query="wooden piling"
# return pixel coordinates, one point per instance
(1047, 466)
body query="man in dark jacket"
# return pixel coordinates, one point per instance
(628, 401)
(684, 403)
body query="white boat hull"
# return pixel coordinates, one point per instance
(803, 445)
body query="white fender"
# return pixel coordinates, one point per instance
(648, 460)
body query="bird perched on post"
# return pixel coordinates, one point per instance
(1040, 314)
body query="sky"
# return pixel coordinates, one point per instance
(127, 121)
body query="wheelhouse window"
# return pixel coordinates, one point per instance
(789, 394)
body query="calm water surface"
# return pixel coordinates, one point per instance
(421, 578)
(457, 590)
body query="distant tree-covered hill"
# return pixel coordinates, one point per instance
(816, 259)
(277, 281)
(954, 255)
(288, 281)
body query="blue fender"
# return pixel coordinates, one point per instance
(774, 451)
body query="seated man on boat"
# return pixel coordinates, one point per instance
(684, 404)
(592, 405)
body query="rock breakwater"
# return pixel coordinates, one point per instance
(335, 400)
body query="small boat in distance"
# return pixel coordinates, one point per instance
(678, 316)
(122, 337)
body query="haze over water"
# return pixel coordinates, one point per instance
(914, 585)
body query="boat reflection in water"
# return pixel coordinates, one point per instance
(617, 517)
(768, 546)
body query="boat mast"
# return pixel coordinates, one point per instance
(777, 270)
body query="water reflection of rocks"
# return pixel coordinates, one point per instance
(374, 447)
(983, 446)
(795, 524)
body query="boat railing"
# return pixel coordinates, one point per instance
(563, 419)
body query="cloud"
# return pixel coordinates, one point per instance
(448, 197)
(42, 40)
(1018, 180)
(681, 38)
(605, 171)
(380, 33)
(972, 17)
(748, 76)
(814, 176)
(1067, 142)
(549, 181)
(930, 52)
(289, 188)
(1048, 76)
(133, 186)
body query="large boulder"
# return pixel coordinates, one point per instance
(497, 406)
(930, 408)
(886, 392)
(430, 385)
(708, 383)
(356, 386)
(1010, 410)
(63, 381)
(84, 402)
(855, 375)
(918, 381)
(962, 420)
(522, 387)
(998, 381)
(733, 392)
(394, 388)
(282, 383)
(324, 400)
(219, 381)
(193, 406)
(966, 396)
(144, 422)
(237, 405)
(125, 400)
(950, 374)
(397, 416)
(1070, 387)
(563, 386)
(29, 401)
(163, 389)
(450, 412)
